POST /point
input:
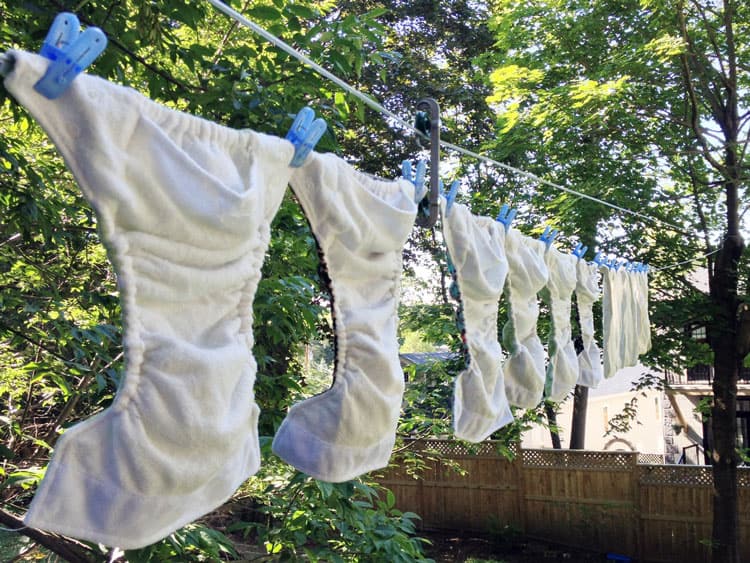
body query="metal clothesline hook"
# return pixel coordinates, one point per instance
(430, 106)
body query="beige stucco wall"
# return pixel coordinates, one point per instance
(646, 433)
(686, 426)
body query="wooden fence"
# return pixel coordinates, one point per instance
(604, 501)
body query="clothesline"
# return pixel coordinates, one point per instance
(686, 261)
(397, 119)
(367, 100)
(212, 267)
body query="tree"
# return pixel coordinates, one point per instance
(646, 96)
(60, 328)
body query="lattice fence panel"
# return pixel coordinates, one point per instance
(594, 499)
(454, 449)
(688, 475)
(578, 459)
(651, 459)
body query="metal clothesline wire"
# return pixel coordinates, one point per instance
(686, 261)
(384, 111)
(367, 100)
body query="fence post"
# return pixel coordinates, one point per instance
(520, 488)
(636, 492)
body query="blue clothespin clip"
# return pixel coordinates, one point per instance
(451, 195)
(63, 31)
(304, 135)
(600, 260)
(70, 53)
(506, 216)
(548, 236)
(615, 264)
(420, 190)
(579, 250)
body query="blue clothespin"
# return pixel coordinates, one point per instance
(615, 264)
(579, 250)
(63, 31)
(420, 190)
(548, 236)
(451, 195)
(69, 52)
(506, 216)
(304, 135)
(600, 260)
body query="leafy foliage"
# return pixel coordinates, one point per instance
(193, 543)
(594, 98)
(591, 95)
(60, 317)
(332, 522)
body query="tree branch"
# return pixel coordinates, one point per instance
(30, 340)
(121, 46)
(711, 35)
(74, 398)
(227, 35)
(698, 206)
(692, 59)
(695, 117)
(67, 549)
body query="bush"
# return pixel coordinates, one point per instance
(337, 522)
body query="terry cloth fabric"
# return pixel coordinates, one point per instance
(476, 246)
(184, 208)
(613, 326)
(590, 367)
(527, 275)
(562, 369)
(630, 317)
(361, 225)
(644, 322)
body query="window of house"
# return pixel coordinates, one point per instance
(743, 423)
(698, 332)
(743, 428)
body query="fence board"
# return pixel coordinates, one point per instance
(604, 501)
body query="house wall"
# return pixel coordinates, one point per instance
(646, 433)
(683, 428)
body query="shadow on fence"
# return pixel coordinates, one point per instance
(607, 501)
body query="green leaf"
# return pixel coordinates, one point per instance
(390, 499)
(301, 11)
(264, 13)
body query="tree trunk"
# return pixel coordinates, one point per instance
(727, 361)
(581, 393)
(549, 410)
(578, 424)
